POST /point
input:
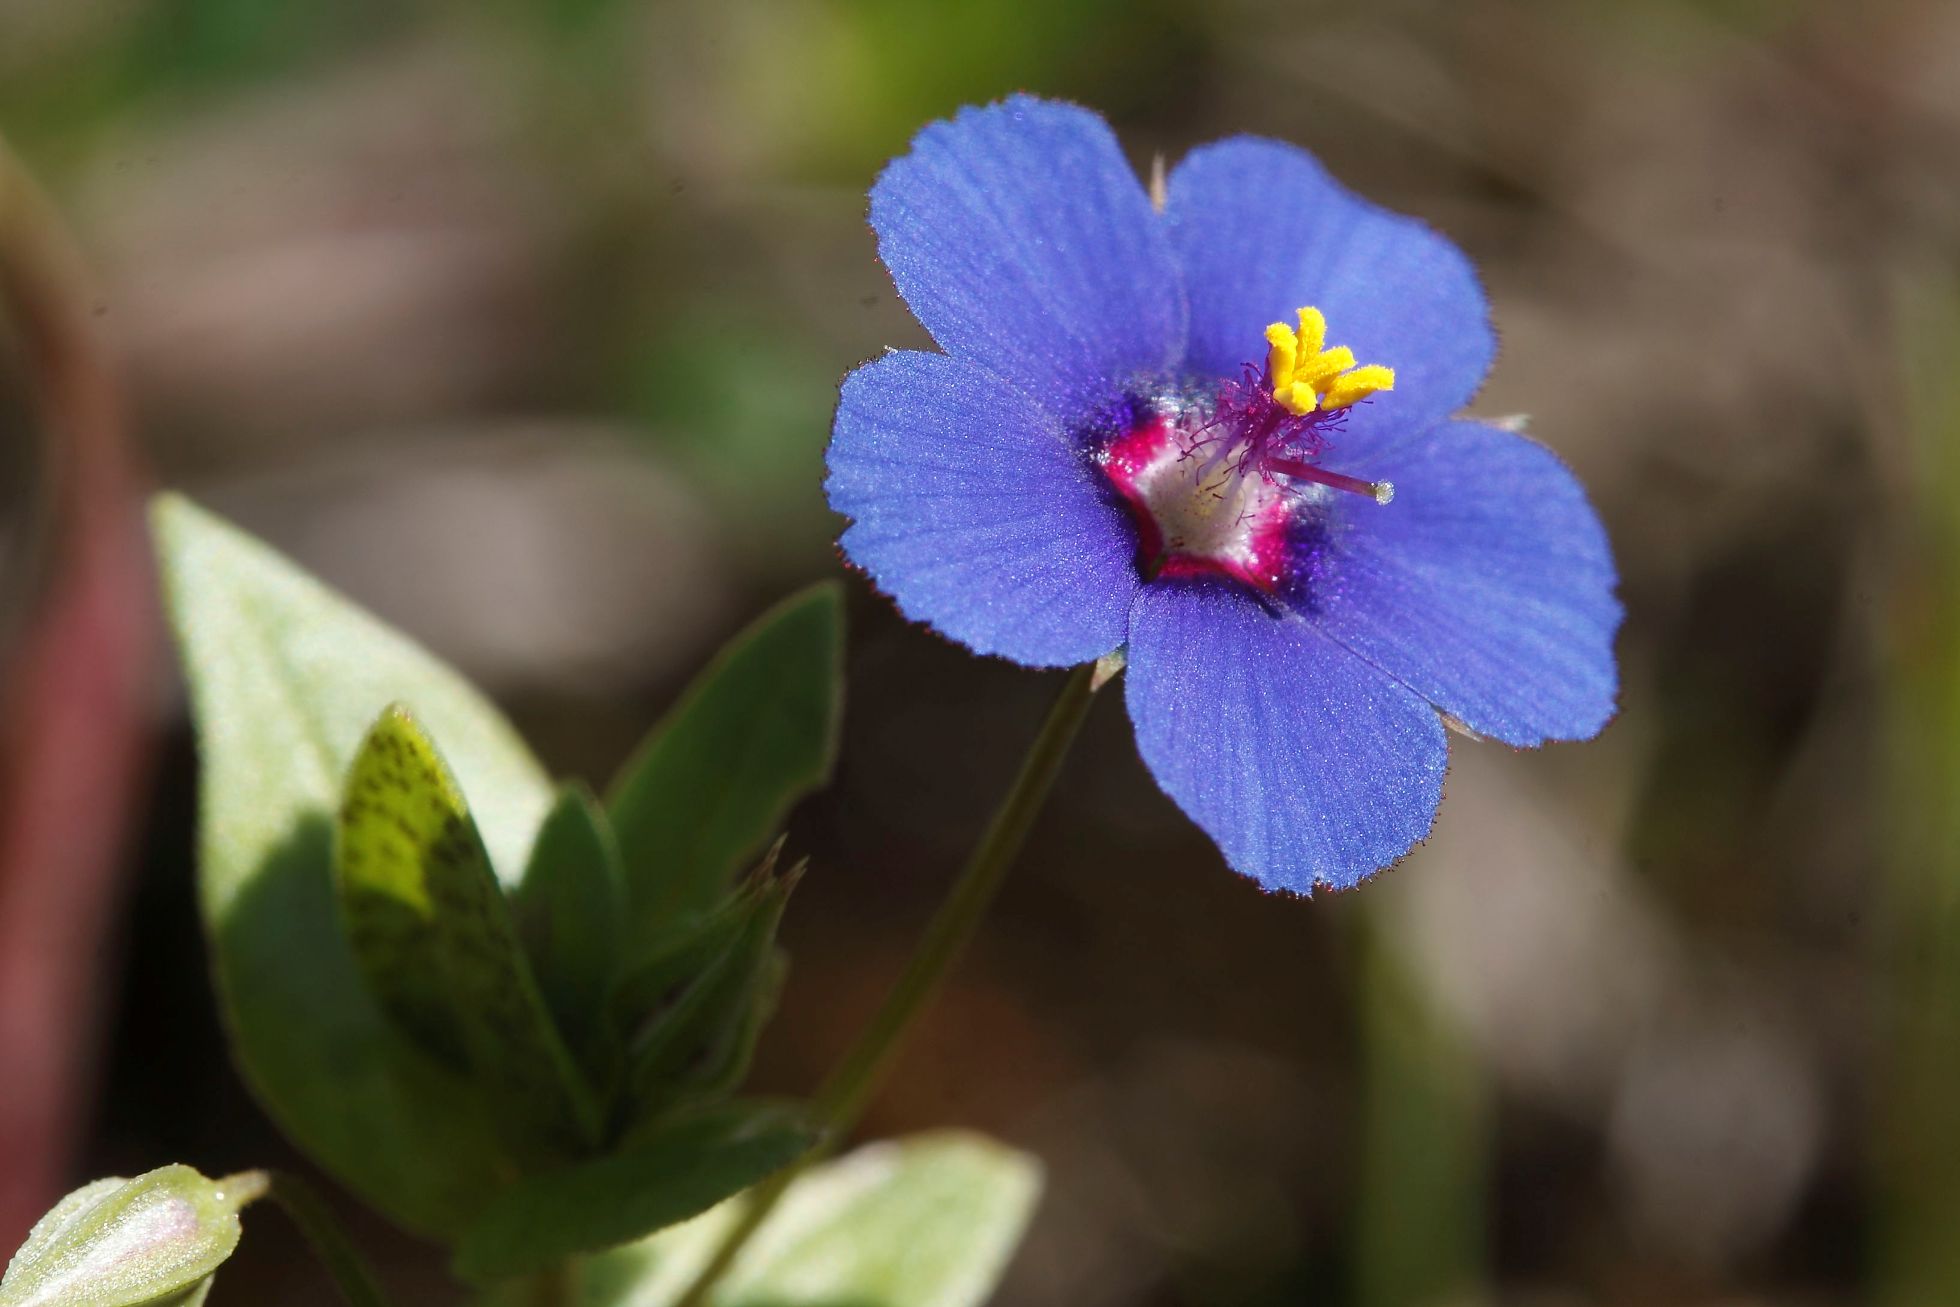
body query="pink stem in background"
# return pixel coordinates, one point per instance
(75, 705)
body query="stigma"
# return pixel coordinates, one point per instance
(1227, 479)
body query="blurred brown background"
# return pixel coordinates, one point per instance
(520, 321)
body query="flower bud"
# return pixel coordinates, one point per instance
(155, 1239)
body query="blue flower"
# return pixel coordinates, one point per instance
(1137, 435)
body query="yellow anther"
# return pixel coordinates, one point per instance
(1282, 354)
(1291, 388)
(1313, 330)
(1350, 387)
(1306, 375)
(1324, 367)
(1298, 399)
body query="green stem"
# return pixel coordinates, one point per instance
(1420, 1219)
(849, 1087)
(330, 1244)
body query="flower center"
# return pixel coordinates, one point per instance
(1220, 483)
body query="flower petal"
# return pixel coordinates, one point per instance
(1307, 766)
(973, 510)
(1023, 241)
(1486, 586)
(1261, 230)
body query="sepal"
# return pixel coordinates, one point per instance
(690, 1012)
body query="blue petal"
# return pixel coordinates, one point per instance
(1261, 229)
(1486, 586)
(1023, 241)
(975, 513)
(1307, 766)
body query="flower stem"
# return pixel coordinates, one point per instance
(330, 1244)
(1420, 1214)
(849, 1087)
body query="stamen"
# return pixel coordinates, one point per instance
(1306, 376)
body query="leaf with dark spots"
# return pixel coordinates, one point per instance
(434, 940)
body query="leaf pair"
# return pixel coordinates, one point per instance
(435, 940)
(509, 998)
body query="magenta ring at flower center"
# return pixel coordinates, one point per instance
(1201, 504)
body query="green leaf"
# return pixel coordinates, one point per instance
(433, 937)
(285, 677)
(669, 1175)
(570, 910)
(929, 1221)
(113, 1243)
(754, 732)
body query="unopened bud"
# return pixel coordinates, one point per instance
(155, 1239)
